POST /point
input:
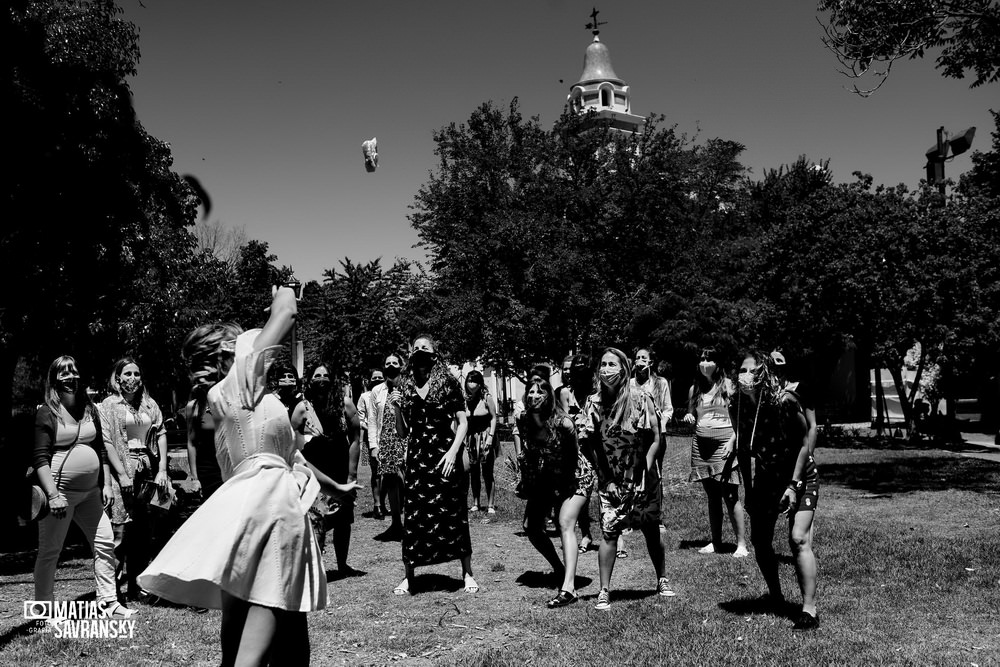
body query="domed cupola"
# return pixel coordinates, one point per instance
(600, 89)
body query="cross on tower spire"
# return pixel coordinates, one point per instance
(595, 25)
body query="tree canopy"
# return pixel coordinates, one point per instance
(869, 36)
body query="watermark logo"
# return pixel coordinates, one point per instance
(77, 619)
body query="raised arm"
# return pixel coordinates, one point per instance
(280, 321)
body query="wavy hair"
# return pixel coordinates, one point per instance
(204, 351)
(440, 376)
(145, 400)
(703, 385)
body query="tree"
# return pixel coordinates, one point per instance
(869, 36)
(93, 210)
(546, 242)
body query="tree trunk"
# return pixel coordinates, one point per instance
(904, 398)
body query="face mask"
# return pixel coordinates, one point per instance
(534, 402)
(68, 385)
(320, 383)
(422, 358)
(747, 381)
(375, 382)
(611, 378)
(129, 385)
(707, 368)
(391, 372)
(642, 371)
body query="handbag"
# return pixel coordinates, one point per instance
(37, 502)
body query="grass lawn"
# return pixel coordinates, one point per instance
(908, 544)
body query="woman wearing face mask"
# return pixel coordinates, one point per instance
(481, 443)
(387, 447)
(132, 425)
(249, 550)
(772, 427)
(713, 458)
(330, 426)
(436, 516)
(71, 463)
(374, 379)
(623, 432)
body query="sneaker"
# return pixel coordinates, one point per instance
(707, 549)
(603, 600)
(806, 621)
(663, 588)
(741, 552)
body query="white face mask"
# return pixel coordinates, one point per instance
(534, 401)
(707, 368)
(748, 381)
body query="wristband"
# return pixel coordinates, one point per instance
(796, 485)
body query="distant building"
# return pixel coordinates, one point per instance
(601, 90)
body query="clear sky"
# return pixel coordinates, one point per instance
(267, 103)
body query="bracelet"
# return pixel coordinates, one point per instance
(796, 485)
(53, 496)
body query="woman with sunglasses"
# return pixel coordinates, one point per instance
(713, 456)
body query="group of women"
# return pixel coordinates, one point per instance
(261, 563)
(761, 432)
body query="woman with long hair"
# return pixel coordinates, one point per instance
(387, 446)
(249, 549)
(435, 510)
(624, 436)
(201, 352)
(71, 464)
(713, 457)
(132, 425)
(555, 474)
(481, 442)
(773, 429)
(578, 377)
(328, 419)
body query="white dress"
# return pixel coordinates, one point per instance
(252, 537)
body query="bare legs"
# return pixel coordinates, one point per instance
(536, 511)
(800, 534)
(719, 492)
(250, 633)
(607, 553)
(378, 494)
(485, 464)
(470, 582)
(568, 515)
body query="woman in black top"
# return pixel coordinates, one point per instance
(481, 442)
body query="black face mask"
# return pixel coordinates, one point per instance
(68, 386)
(391, 372)
(422, 358)
(642, 373)
(374, 383)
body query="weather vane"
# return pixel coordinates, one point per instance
(595, 25)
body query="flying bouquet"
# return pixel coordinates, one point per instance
(370, 149)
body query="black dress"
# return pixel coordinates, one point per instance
(435, 512)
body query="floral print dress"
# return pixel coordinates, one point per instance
(625, 448)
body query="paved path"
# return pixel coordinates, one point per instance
(983, 446)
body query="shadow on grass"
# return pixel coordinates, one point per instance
(427, 583)
(23, 562)
(535, 579)
(918, 473)
(758, 606)
(346, 573)
(623, 595)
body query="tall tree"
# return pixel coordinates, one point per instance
(869, 36)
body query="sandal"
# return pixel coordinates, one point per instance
(470, 584)
(584, 545)
(118, 610)
(561, 600)
(621, 554)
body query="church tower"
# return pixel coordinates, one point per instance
(600, 89)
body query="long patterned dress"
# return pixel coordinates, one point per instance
(435, 510)
(625, 448)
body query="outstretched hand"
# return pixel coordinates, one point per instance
(446, 464)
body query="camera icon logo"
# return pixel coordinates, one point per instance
(37, 610)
